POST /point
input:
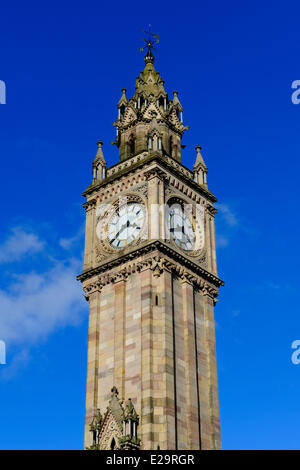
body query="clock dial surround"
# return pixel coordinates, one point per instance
(181, 228)
(126, 225)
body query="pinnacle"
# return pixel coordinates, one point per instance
(99, 154)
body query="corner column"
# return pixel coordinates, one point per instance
(147, 408)
(215, 435)
(164, 369)
(92, 363)
(192, 407)
(119, 348)
(89, 234)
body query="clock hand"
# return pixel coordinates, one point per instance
(116, 236)
(121, 230)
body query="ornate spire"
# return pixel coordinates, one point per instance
(99, 163)
(200, 169)
(97, 421)
(114, 392)
(95, 427)
(199, 158)
(176, 102)
(130, 412)
(99, 155)
(123, 100)
(149, 122)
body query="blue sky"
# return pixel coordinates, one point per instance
(64, 65)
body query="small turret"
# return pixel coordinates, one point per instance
(200, 169)
(177, 105)
(122, 104)
(130, 421)
(95, 426)
(99, 164)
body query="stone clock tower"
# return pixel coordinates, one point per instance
(150, 278)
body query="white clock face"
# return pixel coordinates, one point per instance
(126, 225)
(181, 228)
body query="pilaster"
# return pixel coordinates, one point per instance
(92, 361)
(215, 436)
(89, 236)
(119, 336)
(147, 406)
(192, 411)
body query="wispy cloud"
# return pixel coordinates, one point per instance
(35, 304)
(226, 224)
(68, 243)
(19, 361)
(221, 241)
(20, 243)
(228, 214)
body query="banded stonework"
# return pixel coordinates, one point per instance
(151, 301)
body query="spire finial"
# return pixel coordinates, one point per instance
(114, 391)
(99, 155)
(150, 41)
(199, 158)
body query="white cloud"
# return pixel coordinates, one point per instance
(18, 362)
(221, 241)
(68, 243)
(228, 215)
(227, 224)
(35, 305)
(18, 245)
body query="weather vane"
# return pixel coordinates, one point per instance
(150, 41)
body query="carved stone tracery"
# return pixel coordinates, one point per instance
(118, 428)
(157, 264)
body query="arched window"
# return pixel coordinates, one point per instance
(132, 146)
(171, 146)
(122, 111)
(113, 444)
(150, 143)
(141, 102)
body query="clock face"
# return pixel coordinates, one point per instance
(181, 228)
(126, 225)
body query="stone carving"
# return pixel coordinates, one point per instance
(157, 264)
(117, 430)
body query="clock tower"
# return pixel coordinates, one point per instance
(150, 277)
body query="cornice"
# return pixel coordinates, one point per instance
(176, 260)
(166, 162)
